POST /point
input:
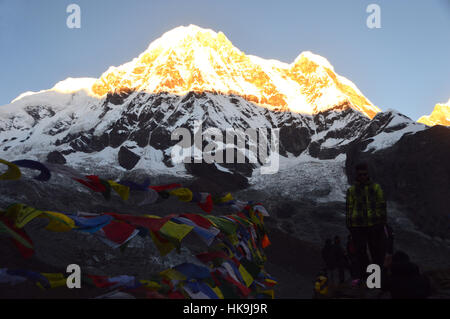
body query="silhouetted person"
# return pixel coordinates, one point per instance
(404, 280)
(351, 257)
(328, 257)
(366, 218)
(389, 234)
(339, 258)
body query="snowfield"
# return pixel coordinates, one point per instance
(305, 177)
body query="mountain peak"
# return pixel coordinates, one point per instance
(190, 58)
(439, 116)
(190, 36)
(315, 58)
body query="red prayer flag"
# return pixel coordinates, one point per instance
(207, 205)
(165, 187)
(209, 256)
(101, 281)
(153, 224)
(118, 232)
(93, 183)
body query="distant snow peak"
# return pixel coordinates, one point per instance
(394, 126)
(439, 116)
(67, 86)
(193, 59)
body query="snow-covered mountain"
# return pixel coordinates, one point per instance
(120, 126)
(439, 116)
(192, 75)
(192, 59)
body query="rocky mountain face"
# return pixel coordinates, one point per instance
(134, 130)
(415, 172)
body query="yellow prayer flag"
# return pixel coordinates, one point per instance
(173, 274)
(163, 248)
(271, 281)
(174, 230)
(152, 216)
(150, 284)
(122, 190)
(12, 173)
(55, 280)
(218, 292)
(58, 222)
(245, 275)
(22, 214)
(270, 293)
(228, 197)
(183, 194)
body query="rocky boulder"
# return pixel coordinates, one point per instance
(127, 159)
(210, 179)
(56, 157)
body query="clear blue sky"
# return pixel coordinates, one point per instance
(405, 65)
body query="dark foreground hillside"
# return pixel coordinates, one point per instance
(296, 230)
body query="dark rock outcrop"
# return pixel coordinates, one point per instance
(210, 179)
(117, 98)
(56, 157)
(127, 159)
(294, 139)
(316, 150)
(160, 139)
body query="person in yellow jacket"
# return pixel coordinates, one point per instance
(366, 218)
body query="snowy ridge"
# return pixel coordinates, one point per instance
(190, 58)
(397, 125)
(84, 128)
